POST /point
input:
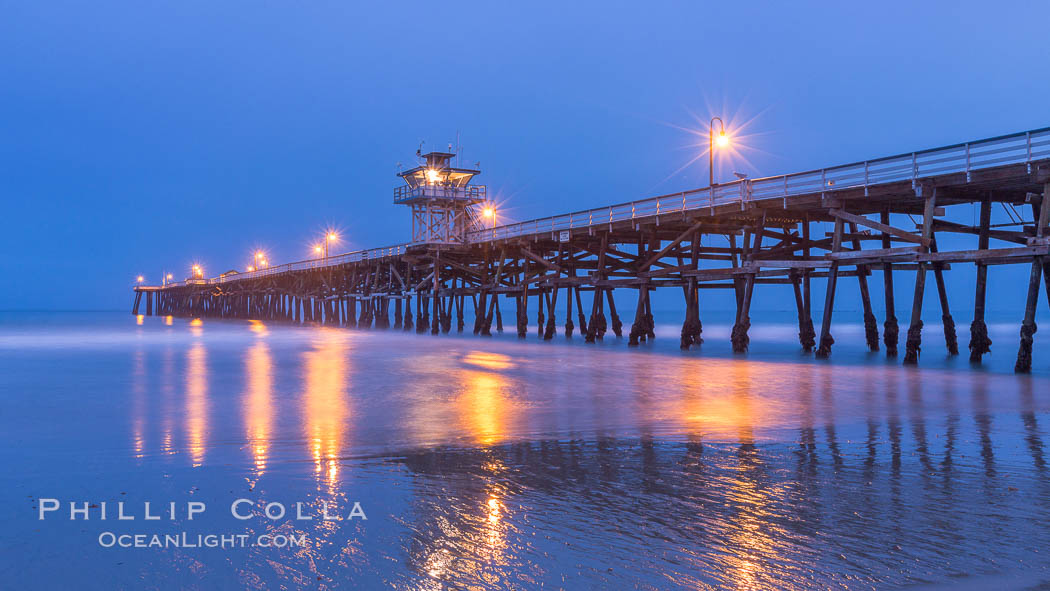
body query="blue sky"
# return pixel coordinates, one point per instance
(139, 137)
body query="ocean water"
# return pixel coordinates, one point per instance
(494, 463)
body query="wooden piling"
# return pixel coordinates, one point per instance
(637, 333)
(740, 339)
(499, 315)
(568, 312)
(579, 312)
(913, 344)
(807, 336)
(826, 339)
(617, 325)
(552, 302)
(890, 329)
(1028, 326)
(540, 305)
(951, 341)
(871, 327)
(408, 314)
(980, 343)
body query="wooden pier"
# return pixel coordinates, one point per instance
(887, 215)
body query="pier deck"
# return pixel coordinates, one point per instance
(887, 215)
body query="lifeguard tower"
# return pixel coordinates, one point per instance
(444, 203)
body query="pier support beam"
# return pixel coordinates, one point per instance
(979, 341)
(540, 305)
(807, 336)
(913, 344)
(637, 333)
(951, 341)
(739, 336)
(871, 327)
(743, 322)
(499, 315)
(579, 312)
(617, 326)
(568, 312)
(523, 320)
(691, 327)
(460, 323)
(826, 340)
(1028, 326)
(890, 329)
(552, 302)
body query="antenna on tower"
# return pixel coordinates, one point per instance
(419, 150)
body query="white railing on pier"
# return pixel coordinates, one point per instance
(340, 259)
(1018, 148)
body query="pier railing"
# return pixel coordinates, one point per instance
(961, 158)
(350, 257)
(1018, 148)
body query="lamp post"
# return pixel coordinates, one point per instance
(723, 141)
(490, 212)
(329, 237)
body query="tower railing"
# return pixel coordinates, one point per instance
(406, 193)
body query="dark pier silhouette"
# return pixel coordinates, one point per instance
(887, 215)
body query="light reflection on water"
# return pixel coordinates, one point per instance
(499, 464)
(325, 402)
(197, 402)
(259, 407)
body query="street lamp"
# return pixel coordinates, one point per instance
(329, 237)
(723, 142)
(140, 279)
(260, 261)
(490, 212)
(198, 272)
(319, 249)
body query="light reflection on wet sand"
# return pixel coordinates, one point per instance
(494, 465)
(259, 407)
(326, 403)
(197, 404)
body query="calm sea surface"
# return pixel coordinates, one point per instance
(500, 464)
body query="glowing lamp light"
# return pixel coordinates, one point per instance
(332, 236)
(250, 269)
(140, 279)
(433, 176)
(722, 140)
(317, 249)
(488, 212)
(170, 276)
(259, 254)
